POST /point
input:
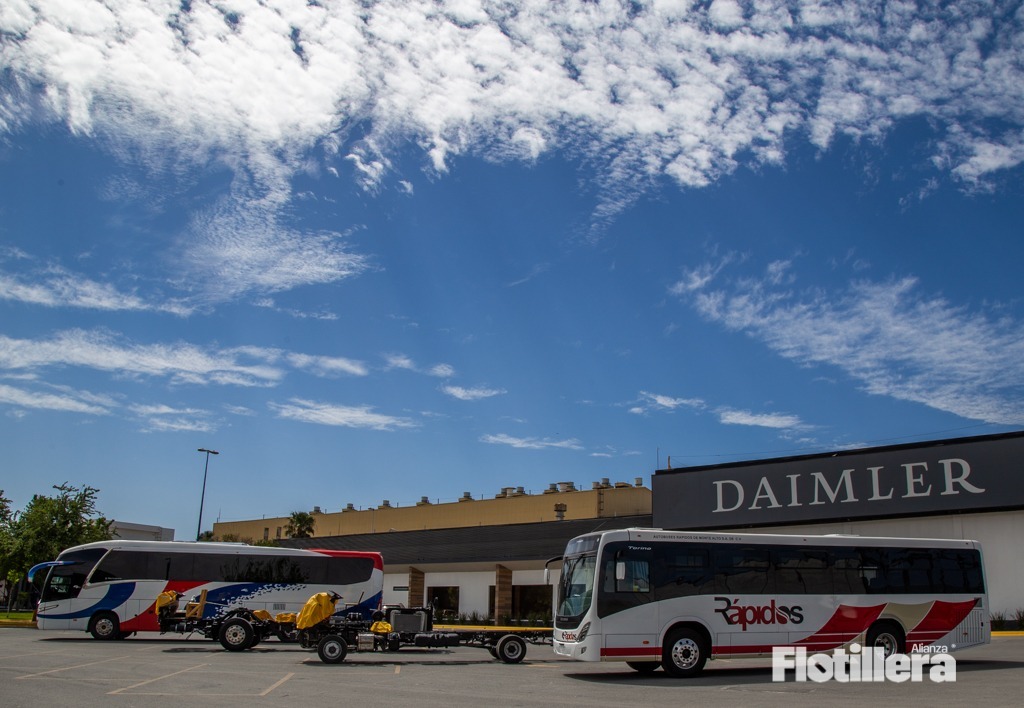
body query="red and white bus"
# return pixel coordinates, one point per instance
(109, 588)
(673, 599)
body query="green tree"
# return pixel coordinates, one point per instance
(301, 524)
(6, 536)
(48, 525)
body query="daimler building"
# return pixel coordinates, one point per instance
(970, 488)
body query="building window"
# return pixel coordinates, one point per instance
(266, 533)
(278, 532)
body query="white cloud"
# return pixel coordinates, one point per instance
(399, 361)
(656, 401)
(729, 416)
(891, 338)
(164, 418)
(442, 371)
(69, 402)
(56, 287)
(180, 362)
(307, 411)
(327, 365)
(531, 443)
(683, 90)
(471, 394)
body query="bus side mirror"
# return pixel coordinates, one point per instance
(620, 570)
(547, 576)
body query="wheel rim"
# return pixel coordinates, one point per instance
(513, 650)
(887, 641)
(332, 650)
(685, 653)
(234, 635)
(105, 626)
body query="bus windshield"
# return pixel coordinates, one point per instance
(66, 581)
(577, 586)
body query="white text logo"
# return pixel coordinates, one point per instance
(857, 666)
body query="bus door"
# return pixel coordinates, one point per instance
(625, 603)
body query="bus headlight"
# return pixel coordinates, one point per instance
(583, 632)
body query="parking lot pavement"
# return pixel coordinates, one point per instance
(66, 668)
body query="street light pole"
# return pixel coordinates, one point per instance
(202, 498)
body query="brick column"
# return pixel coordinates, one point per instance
(502, 593)
(416, 588)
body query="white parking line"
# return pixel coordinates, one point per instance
(158, 678)
(277, 684)
(76, 666)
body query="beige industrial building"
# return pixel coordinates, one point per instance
(472, 557)
(561, 501)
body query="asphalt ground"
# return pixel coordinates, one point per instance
(72, 669)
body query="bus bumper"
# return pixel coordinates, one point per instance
(575, 650)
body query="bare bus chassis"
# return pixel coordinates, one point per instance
(335, 635)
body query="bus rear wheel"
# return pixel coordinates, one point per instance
(685, 653)
(105, 625)
(888, 636)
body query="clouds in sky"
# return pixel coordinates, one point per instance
(179, 363)
(666, 88)
(889, 336)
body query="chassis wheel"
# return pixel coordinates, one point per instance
(332, 649)
(685, 653)
(511, 649)
(888, 636)
(644, 667)
(237, 634)
(105, 625)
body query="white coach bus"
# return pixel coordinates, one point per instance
(672, 599)
(109, 588)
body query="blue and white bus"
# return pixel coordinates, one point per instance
(109, 588)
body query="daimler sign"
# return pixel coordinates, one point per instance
(937, 477)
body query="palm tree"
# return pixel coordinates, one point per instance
(301, 524)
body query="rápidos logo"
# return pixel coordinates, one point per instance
(746, 615)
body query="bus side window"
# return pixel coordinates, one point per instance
(632, 575)
(743, 569)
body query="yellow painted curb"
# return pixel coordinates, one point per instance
(1008, 633)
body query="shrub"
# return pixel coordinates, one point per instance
(997, 620)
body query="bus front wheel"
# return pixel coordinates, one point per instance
(105, 625)
(888, 636)
(685, 653)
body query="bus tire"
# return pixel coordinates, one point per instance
(105, 625)
(332, 649)
(511, 649)
(685, 653)
(889, 636)
(237, 634)
(644, 667)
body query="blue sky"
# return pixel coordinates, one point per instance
(389, 250)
